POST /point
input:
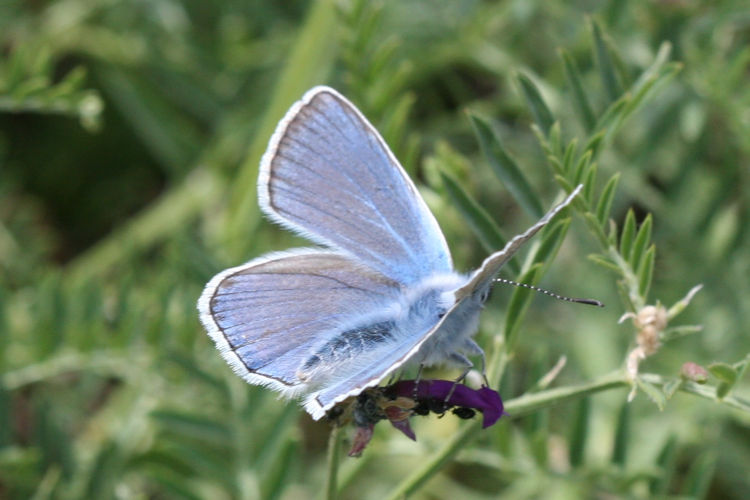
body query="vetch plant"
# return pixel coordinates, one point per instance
(402, 400)
(108, 388)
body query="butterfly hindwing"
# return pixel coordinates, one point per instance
(268, 316)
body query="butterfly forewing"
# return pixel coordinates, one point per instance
(492, 264)
(329, 176)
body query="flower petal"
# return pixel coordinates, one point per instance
(362, 437)
(403, 426)
(485, 399)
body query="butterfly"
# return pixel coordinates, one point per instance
(379, 291)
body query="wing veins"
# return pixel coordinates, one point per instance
(342, 170)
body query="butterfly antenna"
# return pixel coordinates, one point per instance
(591, 302)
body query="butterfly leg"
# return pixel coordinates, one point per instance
(417, 379)
(471, 347)
(461, 360)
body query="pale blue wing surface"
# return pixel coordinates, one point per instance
(266, 316)
(329, 176)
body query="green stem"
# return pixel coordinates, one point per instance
(515, 407)
(531, 402)
(413, 482)
(334, 447)
(703, 391)
(630, 278)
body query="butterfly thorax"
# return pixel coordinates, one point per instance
(417, 312)
(459, 322)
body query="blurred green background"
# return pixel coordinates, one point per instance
(130, 135)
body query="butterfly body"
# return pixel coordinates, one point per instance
(378, 294)
(366, 335)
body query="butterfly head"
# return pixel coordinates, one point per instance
(483, 292)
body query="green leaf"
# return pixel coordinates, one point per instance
(273, 441)
(642, 240)
(724, 372)
(604, 206)
(169, 135)
(628, 233)
(555, 139)
(595, 142)
(675, 332)
(723, 390)
(540, 437)
(612, 234)
(588, 184)
(195, 372)
(479, 220)
(570, 153)
(193, 426)
(654, 393)
(655, 69)
(556, 165)
(606, 65)
(666, 461)
(564, 183)
(105, 472)
(505, 168)
(741, 366)
(658, 75)
(581, 167)
(552, 237)
(274, 481)
(699, 476)
(621, 69)
(579, 433)
(71, 82)
(384, 55)
(605, 263)
(541, 113)
(394, 128)
(622, 436)
(583, 108)
(671, 387)
(646, 271)
(612, 116)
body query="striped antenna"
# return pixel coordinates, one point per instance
(591, 302)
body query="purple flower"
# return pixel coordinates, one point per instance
(400, 401)
(433, 393)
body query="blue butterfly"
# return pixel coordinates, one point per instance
(327, 322)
